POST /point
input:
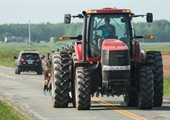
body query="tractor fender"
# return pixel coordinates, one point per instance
(78, 51)
(137, 51)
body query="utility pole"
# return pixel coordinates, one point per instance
(29, 35)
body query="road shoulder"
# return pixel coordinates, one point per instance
(18, 110)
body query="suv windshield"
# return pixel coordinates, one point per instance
(118, 28)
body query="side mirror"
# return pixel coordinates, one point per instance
(15, 57)
(67, 18)
(149, 17)
(79, 37)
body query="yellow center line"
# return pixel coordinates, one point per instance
(119, 110)
(40, 81)
(2, 74)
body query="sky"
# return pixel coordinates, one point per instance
(42, 11)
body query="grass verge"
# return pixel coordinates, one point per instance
(11, 111)
(166, 86)
(7, 112)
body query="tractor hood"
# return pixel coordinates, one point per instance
(113, 44)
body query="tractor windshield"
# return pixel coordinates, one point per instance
(114, 26)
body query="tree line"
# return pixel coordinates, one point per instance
(159, 28)
(44, 31)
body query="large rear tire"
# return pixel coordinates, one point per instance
(146, 88)
(60, 79)
(157, 68)
(82, 88)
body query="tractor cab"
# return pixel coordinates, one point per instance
(107, 26)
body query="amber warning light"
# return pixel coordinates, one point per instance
(148, 36)
(64, 38)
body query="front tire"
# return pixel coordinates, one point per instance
(82, 88)
(146, 88)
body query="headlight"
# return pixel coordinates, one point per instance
(106, 67)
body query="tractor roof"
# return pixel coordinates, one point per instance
(108, 10)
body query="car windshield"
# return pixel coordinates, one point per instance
(30, 55)
(119, 28)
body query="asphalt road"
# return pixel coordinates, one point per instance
(26, 90)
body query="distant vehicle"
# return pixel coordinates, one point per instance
(28, 60)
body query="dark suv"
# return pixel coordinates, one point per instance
(28, 60)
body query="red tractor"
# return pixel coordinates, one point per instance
(114, 65)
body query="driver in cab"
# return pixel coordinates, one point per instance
(108, 30)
